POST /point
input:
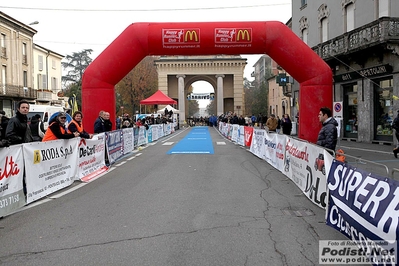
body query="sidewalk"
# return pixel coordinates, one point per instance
(375, 158)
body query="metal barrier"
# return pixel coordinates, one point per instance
(364, 162)
(394, 170)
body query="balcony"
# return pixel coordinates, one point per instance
(44, 95)
(371, 35)
(17, 91)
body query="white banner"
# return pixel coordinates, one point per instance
(91, 159)
(142, 140)
(128, 140)
(234, 132)
(241, 138)
(258, 143)
(11, 189)
(50, 166)
(305, 166)
(275, 150)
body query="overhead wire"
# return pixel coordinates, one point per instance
(143, 10)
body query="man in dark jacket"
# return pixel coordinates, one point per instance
(102, 123)
(328, 134)
(3, 124)
(395, 125)
(18, 130)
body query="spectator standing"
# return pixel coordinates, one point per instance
(241, 120)
(259, 120)
(76, 125)
(328, 133)
(126, 121)
(395, 125)
(253, 120)
(99, 123)
(37, 133)
(107, 122)
(272, 123)
(286, 124)
(41, 125)
(3, 124)
(58, 130)
(102, 123)
(264, 121)
(247, 121)
(18, 130)
(278, 125)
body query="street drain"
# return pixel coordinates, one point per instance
(298, 213)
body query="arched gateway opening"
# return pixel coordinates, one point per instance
(207, 38)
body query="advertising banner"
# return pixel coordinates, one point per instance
(234, 132)
(11, 187)
(258, 143)
(91, 159)
(50, 166)
(361, 205)
(240, 136)
(274, 152)
(142, 136)
(114, 145)
(305, 166)
(128, 140)
(248, 131)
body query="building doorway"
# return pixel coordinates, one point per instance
(383, 111)
(350, 111)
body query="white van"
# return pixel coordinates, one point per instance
(45, 112)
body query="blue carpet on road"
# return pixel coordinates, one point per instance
(198, 140)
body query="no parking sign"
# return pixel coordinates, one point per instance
(337, 112)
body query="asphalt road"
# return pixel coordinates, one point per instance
(229, 208)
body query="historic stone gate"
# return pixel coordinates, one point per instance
(224, 72)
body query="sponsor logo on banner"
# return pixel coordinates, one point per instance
(54, 167)
(51, 154)
(181, 38)
(11, 174)
(233, 35)
(85, 150)
(362, 206)
(248, 135)
(191, 36)
(304, 165)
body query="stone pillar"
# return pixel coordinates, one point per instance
(219, 95)
(182, 98)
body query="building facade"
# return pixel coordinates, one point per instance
(16, 56)
(28, 71)
(279, 97)
(47, 75)
(359, 40)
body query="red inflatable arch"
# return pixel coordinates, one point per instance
(207, 38)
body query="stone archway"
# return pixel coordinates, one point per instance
(223, 72)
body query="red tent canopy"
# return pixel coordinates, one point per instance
(158, 98)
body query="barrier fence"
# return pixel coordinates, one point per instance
(34, 170)
(361, 205)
